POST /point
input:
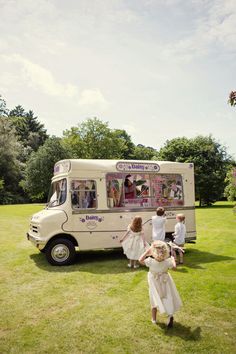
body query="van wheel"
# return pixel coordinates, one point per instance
(60, 252)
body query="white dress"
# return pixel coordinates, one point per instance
(133, 245)
(162, 290)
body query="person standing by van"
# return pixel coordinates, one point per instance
(133, 242)
(158, 225)
(179, 237)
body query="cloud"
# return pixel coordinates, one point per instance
(214, 30)
(42, 79)
(90, 97)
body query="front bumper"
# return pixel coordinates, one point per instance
(36, 241)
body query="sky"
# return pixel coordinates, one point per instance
(159, 69)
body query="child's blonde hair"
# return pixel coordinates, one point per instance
(181, 217)
(136, 225)
(160, 251)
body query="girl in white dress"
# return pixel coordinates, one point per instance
(133, 242)
(162, 290)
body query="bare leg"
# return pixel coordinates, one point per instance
(130, 263)
(173, 253)
(154, 314)
(181, 257)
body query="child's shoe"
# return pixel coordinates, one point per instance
(129, 265)
(154, 321)
(171, 322)
(136, 266)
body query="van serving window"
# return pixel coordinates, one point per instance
(143, 190)
(83, 194)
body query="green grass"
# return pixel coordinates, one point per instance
(99, 305)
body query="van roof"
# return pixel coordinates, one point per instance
(116, 165)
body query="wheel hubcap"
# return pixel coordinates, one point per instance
(60, 253)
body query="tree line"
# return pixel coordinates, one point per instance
(28, 155)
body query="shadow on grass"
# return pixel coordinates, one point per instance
(97, 262)
(114, 261)
(194, 258)
(183, 332)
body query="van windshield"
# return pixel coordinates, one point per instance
(57, 193)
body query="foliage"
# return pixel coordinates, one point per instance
(128, 146)
(210, 159)
(29, 130)
(10, 172)
(232, 98)
(230, 189)
(93, 139)
(39, 168)
(142, 152)
(3, 107)
(99, 306)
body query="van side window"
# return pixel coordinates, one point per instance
(142, 190)
(167, 189)
(128, 190)
(83, 194)
(115, 190)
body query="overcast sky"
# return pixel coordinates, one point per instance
(159, 69)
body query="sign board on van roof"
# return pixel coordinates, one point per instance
(137, 166)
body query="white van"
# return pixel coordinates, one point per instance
(91, 203)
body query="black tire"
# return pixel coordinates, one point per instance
(60, 252)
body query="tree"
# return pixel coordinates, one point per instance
(18, 111)
(142, 152)
(3, 107)
(232, 98)
(93, 139)
(128, 145)
(30, 131)
(39, 168)
(10, 173)
(230, 189)
(210, 160)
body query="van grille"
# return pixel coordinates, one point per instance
(34, 228)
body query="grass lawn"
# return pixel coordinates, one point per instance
(98, 305)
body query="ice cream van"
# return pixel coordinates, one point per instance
(91, 203)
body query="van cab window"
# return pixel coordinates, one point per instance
(83, 194)
(57, 193)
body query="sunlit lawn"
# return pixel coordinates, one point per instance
(99, 305)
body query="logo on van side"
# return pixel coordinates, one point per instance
(91, 221)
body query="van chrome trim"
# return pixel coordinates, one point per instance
(120, 210)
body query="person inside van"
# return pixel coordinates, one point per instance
(83, 195)
(130, 188)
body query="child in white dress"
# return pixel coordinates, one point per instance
(162, 290)
(179, 237)
(133, 242)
